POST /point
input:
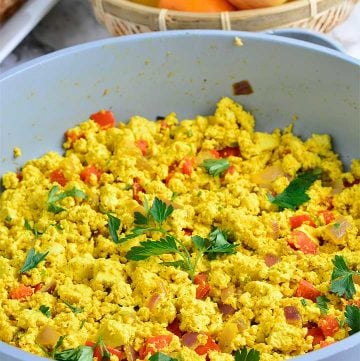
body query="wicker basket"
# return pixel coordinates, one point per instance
(122, 17)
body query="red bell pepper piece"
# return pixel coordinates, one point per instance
(307, 290)
(329, 325)
(57, 175)
(209, 346)
(154, 344)
(104, 118)
(301, 241)
(298, 220)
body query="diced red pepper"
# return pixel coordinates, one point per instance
(301, 241)
(317, 335)
(298, 220)
(174, 327)
(209, 346)
(38, 287)
(21, 292)
(229, 152)
(231, 170)
(57, 175)
(215, 153)
(329, 325)
(350, 184)
(307, 290)
(203, 287)
(71, 136)
(187, 166)
(97, 351)
(188, 231)
(328, 216)
(154, 344)
(323, 344)
(137, 188)
(143, 145)
(104, 118)
(87, 173)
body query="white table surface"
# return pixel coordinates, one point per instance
(72, 22)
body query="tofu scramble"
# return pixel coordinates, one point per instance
(195, 240)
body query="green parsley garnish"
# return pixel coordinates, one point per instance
(82, 324)
(56, 196)
(81, 353)
(158, 356)
(295, 193)
(303, 302)
(352, 316)
(8, 219)
(153, 221)
(59, 343)
(342, 282)
(34, 230)
(74, 309)
(32, 260)
(104, 352)
(216, 166)
(247, 355)
(322, 303)
(114, 225)
(45, 310)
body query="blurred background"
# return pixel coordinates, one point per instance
(56, 24)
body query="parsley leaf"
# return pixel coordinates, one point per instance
(81, 353)
(160, 211)
(322, 303)
(158, 356)
(352, 315)
(216, 166)
(295, 193)
(216, 244)
(153, 248)
(245, 355)
(32, 260)
(74, 309)
(342, 282)
(55, 196)
(303, 302)
(114, 225)
(104, 352)
(34, 230)
(59, 343)
(45, 310)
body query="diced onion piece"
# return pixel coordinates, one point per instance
(48, 336)
(226, 309)
(275, 229)
(292, 314)
(271, 259)
(189, 339)
(130, 353)
(338, 229)
(154, 301)
(267, 176)
(226, 293)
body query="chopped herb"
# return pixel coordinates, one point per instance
(45, 310)
(295, 193)
(303, 302)
(322, 303)
(342, 282)
(352, 316)
(81, 353)
(74, 309)
(82, 324)
(174, 196)
(8, 219)
(160, 211)
(32, 260)
(247, 355)
(55, 196)
(216, 166)
(114, 225)
(158, 356)
(34, 230)
(104, 352)
(128, 187)
(58, 344)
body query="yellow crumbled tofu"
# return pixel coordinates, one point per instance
(200, 239)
